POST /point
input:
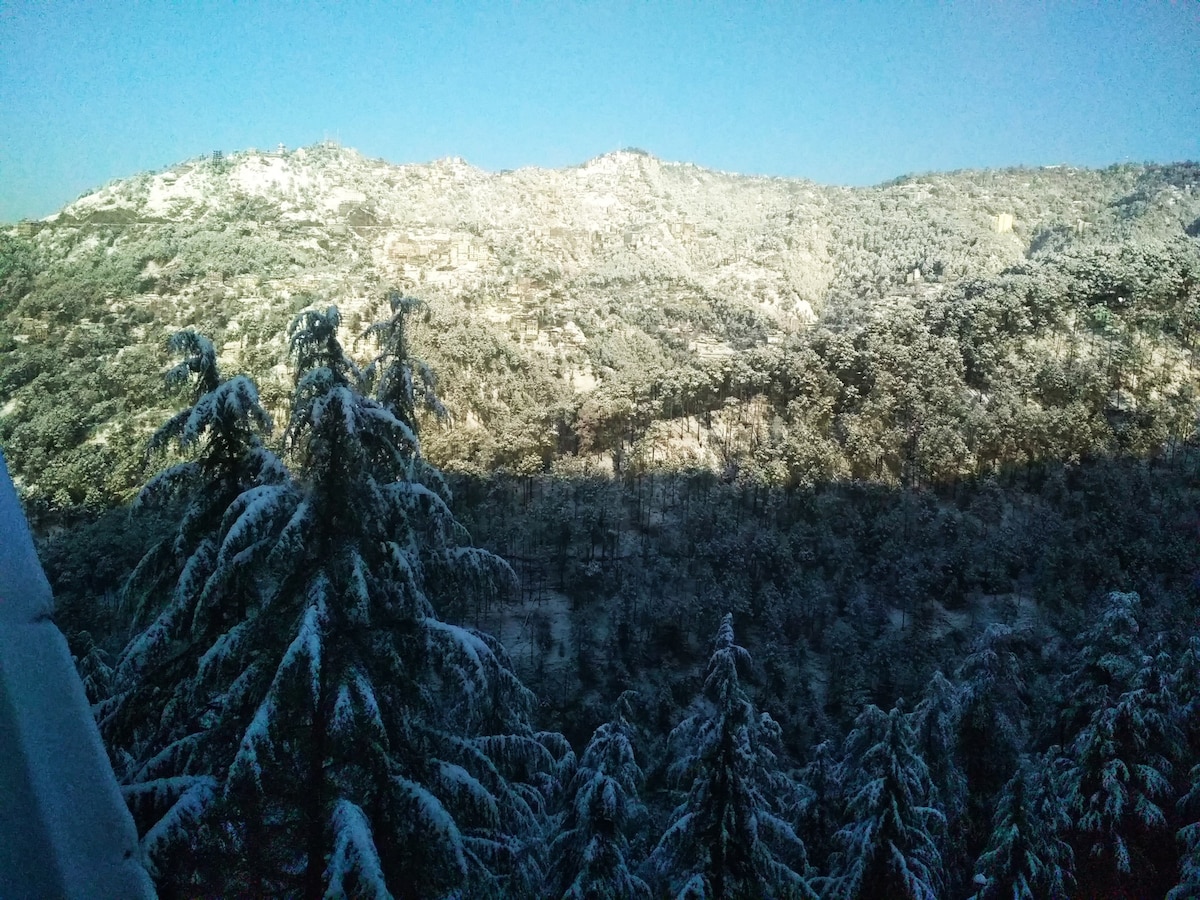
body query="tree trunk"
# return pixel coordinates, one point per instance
(314, 873)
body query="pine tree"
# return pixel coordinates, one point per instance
(390, 752)
(936, 722)
(94, 667)
(337, 738)
(1188, 885)
(1187, 689)
(1118, 781)
(399, 377)
(822, 796)
(590, 855)
(729, 837)
(993, 729)
(403, 384)
(1027, 857)
(167, 721)
(889, 844)
(1104, 666)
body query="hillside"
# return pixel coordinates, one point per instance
(928, 447)
(570, 310)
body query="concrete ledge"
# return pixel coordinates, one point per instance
(92, 848)
(64, 829)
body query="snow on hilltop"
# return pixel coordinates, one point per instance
(588, 275)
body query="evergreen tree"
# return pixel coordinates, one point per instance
(168, 721)
(1027, 857)
(390, 751)
(729, 837)
(94, 667)
(822, 795)
(343, 741)
(1188, 885)
(1187, 690)
(401, 381)
(993, 730)
(889, 844)
(936, 721)
(590, 854)
(454, 570)
(1117, 783)
(1104, 666)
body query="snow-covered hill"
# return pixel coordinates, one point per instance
(547, 289)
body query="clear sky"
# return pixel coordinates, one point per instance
(847, 93)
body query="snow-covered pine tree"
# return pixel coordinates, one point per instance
(1027, 857)
(1104, 666)
(822, 796)
(1188, 885)
(221, 429)
(589, 856)
(94, 667)
(729, 838)
(1117, 783)
(390, 753)
(171, 721)
(935, 722)
(399, 377)
(403, 384)
(1187, 689)
(993, 728)
(889, 844)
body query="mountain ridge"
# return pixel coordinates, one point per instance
(551, 291)
(621, 210)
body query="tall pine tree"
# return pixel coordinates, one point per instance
(889, 844)
(171, 719)
(822, 797)
(936, 722)
(1188, 885)
(1027, 856)
(993, 728)
(359, 745)
(1117, 787)
(391, 752)
(730, 837)
(590, 852)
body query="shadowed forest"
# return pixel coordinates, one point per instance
(742, 685)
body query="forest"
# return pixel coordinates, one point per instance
(899, 602)
(954, 689)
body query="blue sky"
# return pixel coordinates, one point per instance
(847, 93)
